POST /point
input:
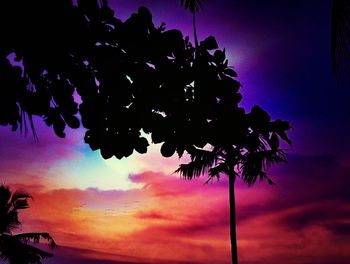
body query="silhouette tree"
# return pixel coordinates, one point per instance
(193, 6)
(249, 155)
(246, 149)
(132, 76)
(241, 143)
(15, 248)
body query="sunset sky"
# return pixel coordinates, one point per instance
(136, 211)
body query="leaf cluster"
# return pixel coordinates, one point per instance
(81, 65)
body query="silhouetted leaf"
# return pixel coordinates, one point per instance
(141, 146)
(284, 136)
(274, 141)
(172, 40)
(59, 127)
(209, 43)
(255, 164)
(180, 151)
(72, 121)
(167, 149)
(230, 72)
(280, 125)
(219, 56)
(259, 119)
(222, 168)
(201, 162)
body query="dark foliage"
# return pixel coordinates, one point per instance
(15, 248)
(131, 76)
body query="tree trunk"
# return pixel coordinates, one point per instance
(195, 30)
(234, 253)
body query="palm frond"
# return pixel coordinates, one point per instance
(9, 204)
(192, 5)
(19, 200)
(340, 38)
(201, 162)
(15, 248)
(34, 255)
(215, 172)
(193, 169)
(255, 164)
(202, 155)
(271, 157)
(9, 221)
(35, 237)
(5, 195)
(15, 251)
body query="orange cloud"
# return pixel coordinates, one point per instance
(170, 219)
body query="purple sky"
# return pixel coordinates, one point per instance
(281, 51)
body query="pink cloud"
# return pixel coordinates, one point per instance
(171, 219)
(151, 215)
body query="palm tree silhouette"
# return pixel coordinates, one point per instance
(193, 6)
(249, 159)
(340, 33)
(15, 248)
(256, 145)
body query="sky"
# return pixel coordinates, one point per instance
(136, 211)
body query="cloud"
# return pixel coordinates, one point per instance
(303, 219)
(23, 160)
(152, 215)
(137, 223)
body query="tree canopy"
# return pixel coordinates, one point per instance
(78, 64)
(122, 78)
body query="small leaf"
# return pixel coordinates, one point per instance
(167, 149)
(230, 72)
(180, 151)
(59, 127)
(141, 146)
(280, 125)
(219, 56)
(284, 136)
(274, 141)
(106, 152)
(259, 117)
(91, 139)
(72, 122)
(145, 14)
(209, 43)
